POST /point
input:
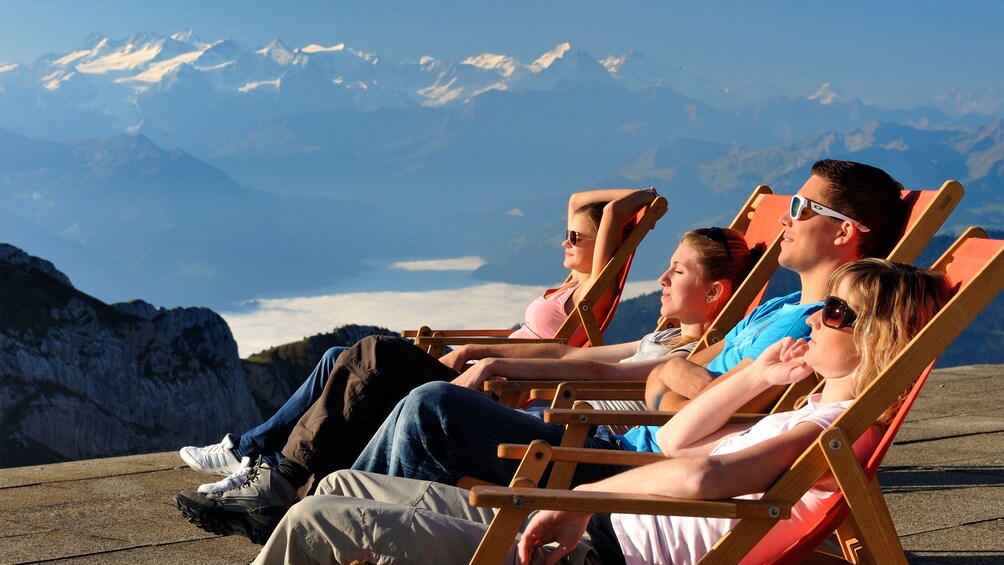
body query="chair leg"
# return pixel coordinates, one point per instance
(500, 536)
(507, 521)
(563, 471)
(870, 516)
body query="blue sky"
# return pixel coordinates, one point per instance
(873, 50)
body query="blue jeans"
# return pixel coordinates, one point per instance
(442, 432)
(268, 439)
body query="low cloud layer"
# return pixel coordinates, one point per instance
(283, 320)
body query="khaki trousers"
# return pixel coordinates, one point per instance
(359, 516)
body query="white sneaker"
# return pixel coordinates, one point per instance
(234, 480)
(215, 459)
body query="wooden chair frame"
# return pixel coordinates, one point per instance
(974, 263)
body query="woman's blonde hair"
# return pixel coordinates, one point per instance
(893, 302)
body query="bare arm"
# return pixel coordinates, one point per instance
(681, 376)
(622, 203)
(553, 369)
(692, 472)
(711, 477)
(659, 396)
(472, 352)
(707, 414)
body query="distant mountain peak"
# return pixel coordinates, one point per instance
(548, 59)
(278, 52)
(315, 48)
(505, 65)
(824, 95)
(184, 35)
(613, 64)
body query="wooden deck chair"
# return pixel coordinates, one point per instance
(927, 212)
(591, 316)
(975, 265)
(758, 222)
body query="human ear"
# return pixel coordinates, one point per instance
(715, 292)
(845, 232)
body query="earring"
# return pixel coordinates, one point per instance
(708, 299)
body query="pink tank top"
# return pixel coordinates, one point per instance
(544, 315)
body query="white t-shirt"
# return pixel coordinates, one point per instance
(682, 539)
(652, 346)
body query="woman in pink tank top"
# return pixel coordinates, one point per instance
(595, 221)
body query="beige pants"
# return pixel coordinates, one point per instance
(373, 518)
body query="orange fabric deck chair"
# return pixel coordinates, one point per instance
(974, 264)
(585, 324)
(927, 212)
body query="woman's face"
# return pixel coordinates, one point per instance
(831, 352)
(579, 257)
(685, 294)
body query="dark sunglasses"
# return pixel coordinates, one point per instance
(800, 203)
(716, 234)
(837, 313)
(573, 236)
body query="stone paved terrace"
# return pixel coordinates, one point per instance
(942, 480)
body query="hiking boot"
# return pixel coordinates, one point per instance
(233, 480)
(215, 459)
(252, 509)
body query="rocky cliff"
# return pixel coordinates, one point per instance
(83, 379)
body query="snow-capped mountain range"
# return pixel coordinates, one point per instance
(148, 61)
(111, 86)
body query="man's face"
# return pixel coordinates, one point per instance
(807, 239)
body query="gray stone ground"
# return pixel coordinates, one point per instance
(941, 479)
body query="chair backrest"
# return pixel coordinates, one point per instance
(975, 265)
(927, 211)
(584, 326)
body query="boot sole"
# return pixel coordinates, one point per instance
(224, 522)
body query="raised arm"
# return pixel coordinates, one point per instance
(622, 203)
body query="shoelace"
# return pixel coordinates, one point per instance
(233, 480)
(214, 448)
(252, 474)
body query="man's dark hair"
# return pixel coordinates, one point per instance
(870, 196)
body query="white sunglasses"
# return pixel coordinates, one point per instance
(800, 203)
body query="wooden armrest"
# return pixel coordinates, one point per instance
(627, 393)
(626, 417)
(465, 339)
(585, 455)
(502, 386)
(465, 333)
(576, 501)
(506, 386)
